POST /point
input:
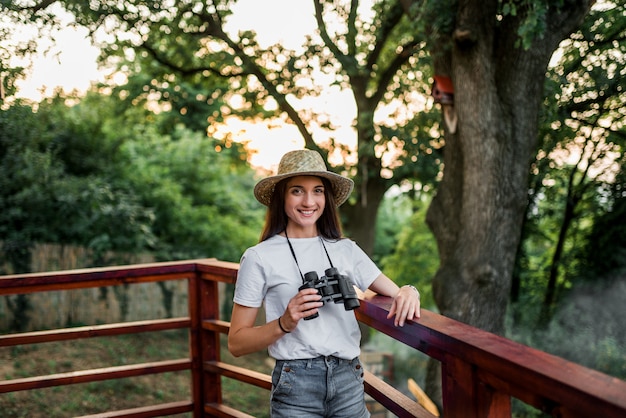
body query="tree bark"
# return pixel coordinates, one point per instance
(360, 215)
(477, 213)
(359, 218)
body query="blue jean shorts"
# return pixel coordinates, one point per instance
(318, 387)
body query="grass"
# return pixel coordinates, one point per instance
(111, 395)
(92, 398)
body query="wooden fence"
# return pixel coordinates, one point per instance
(480, 371)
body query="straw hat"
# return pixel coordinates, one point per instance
(303, 163)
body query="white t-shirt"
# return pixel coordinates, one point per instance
(268, 274)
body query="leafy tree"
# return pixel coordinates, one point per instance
(581, 151)
(604, 251)
(85, 175)
(27, 170)
(379, 60)
(414, 259)
(54, 184)
(496, 54)
(24, 172)
(201, 198)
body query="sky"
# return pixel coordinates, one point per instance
(72, 66)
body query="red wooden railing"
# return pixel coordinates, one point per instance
(480, 371)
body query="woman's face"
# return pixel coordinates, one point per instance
(304, 204)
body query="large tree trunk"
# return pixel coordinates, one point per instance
(369, 189)
(360, 215)
(479, 207)
(363, 212)
(477, 213)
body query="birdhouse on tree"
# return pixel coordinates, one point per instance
(443, 93)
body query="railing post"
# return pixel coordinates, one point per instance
(195, 344)
(204, 343)
(210, 341)
(467, 396)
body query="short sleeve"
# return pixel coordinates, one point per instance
(353, 261)
(365, 269)
(251, 285)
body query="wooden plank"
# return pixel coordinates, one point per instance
(210, 343)
(222, 411)
(93, 331)
(422, 398)
(261, 380)
(93, 375)
(216, 325)
(458, 389)
(56, 283)
(392, 399)
(216, 270)
(110, 276)
(537, 374)
(160, 410)
(195, 345)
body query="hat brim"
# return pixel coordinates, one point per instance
(342, 186)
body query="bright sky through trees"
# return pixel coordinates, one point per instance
(70, 63)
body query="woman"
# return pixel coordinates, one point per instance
(315, 342)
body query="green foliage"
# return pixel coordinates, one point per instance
(575, 186)
(112, 178)
(532, 16)
(59, 183)
(393, 215)
(597, 340)
(437, 19)
(414, 259)
(604, 249)
(201, 197)
(26, 173)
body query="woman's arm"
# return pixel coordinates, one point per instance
(244, 337)
(406, 299)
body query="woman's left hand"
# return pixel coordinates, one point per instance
(406, 305)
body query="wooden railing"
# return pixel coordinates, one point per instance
(480, 371)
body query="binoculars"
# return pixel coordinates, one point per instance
(333, 287)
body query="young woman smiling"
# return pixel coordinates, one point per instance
(316, 344)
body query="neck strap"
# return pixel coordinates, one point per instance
(293, 253)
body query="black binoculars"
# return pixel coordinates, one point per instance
(333, 287)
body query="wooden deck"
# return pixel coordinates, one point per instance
(480, 371)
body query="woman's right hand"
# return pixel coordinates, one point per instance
(304, 304)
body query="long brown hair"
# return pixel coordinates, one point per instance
(328, 225)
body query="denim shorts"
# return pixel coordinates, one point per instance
(318, 387)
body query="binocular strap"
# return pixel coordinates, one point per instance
(293, 253)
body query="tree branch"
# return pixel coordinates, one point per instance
(389, 22)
